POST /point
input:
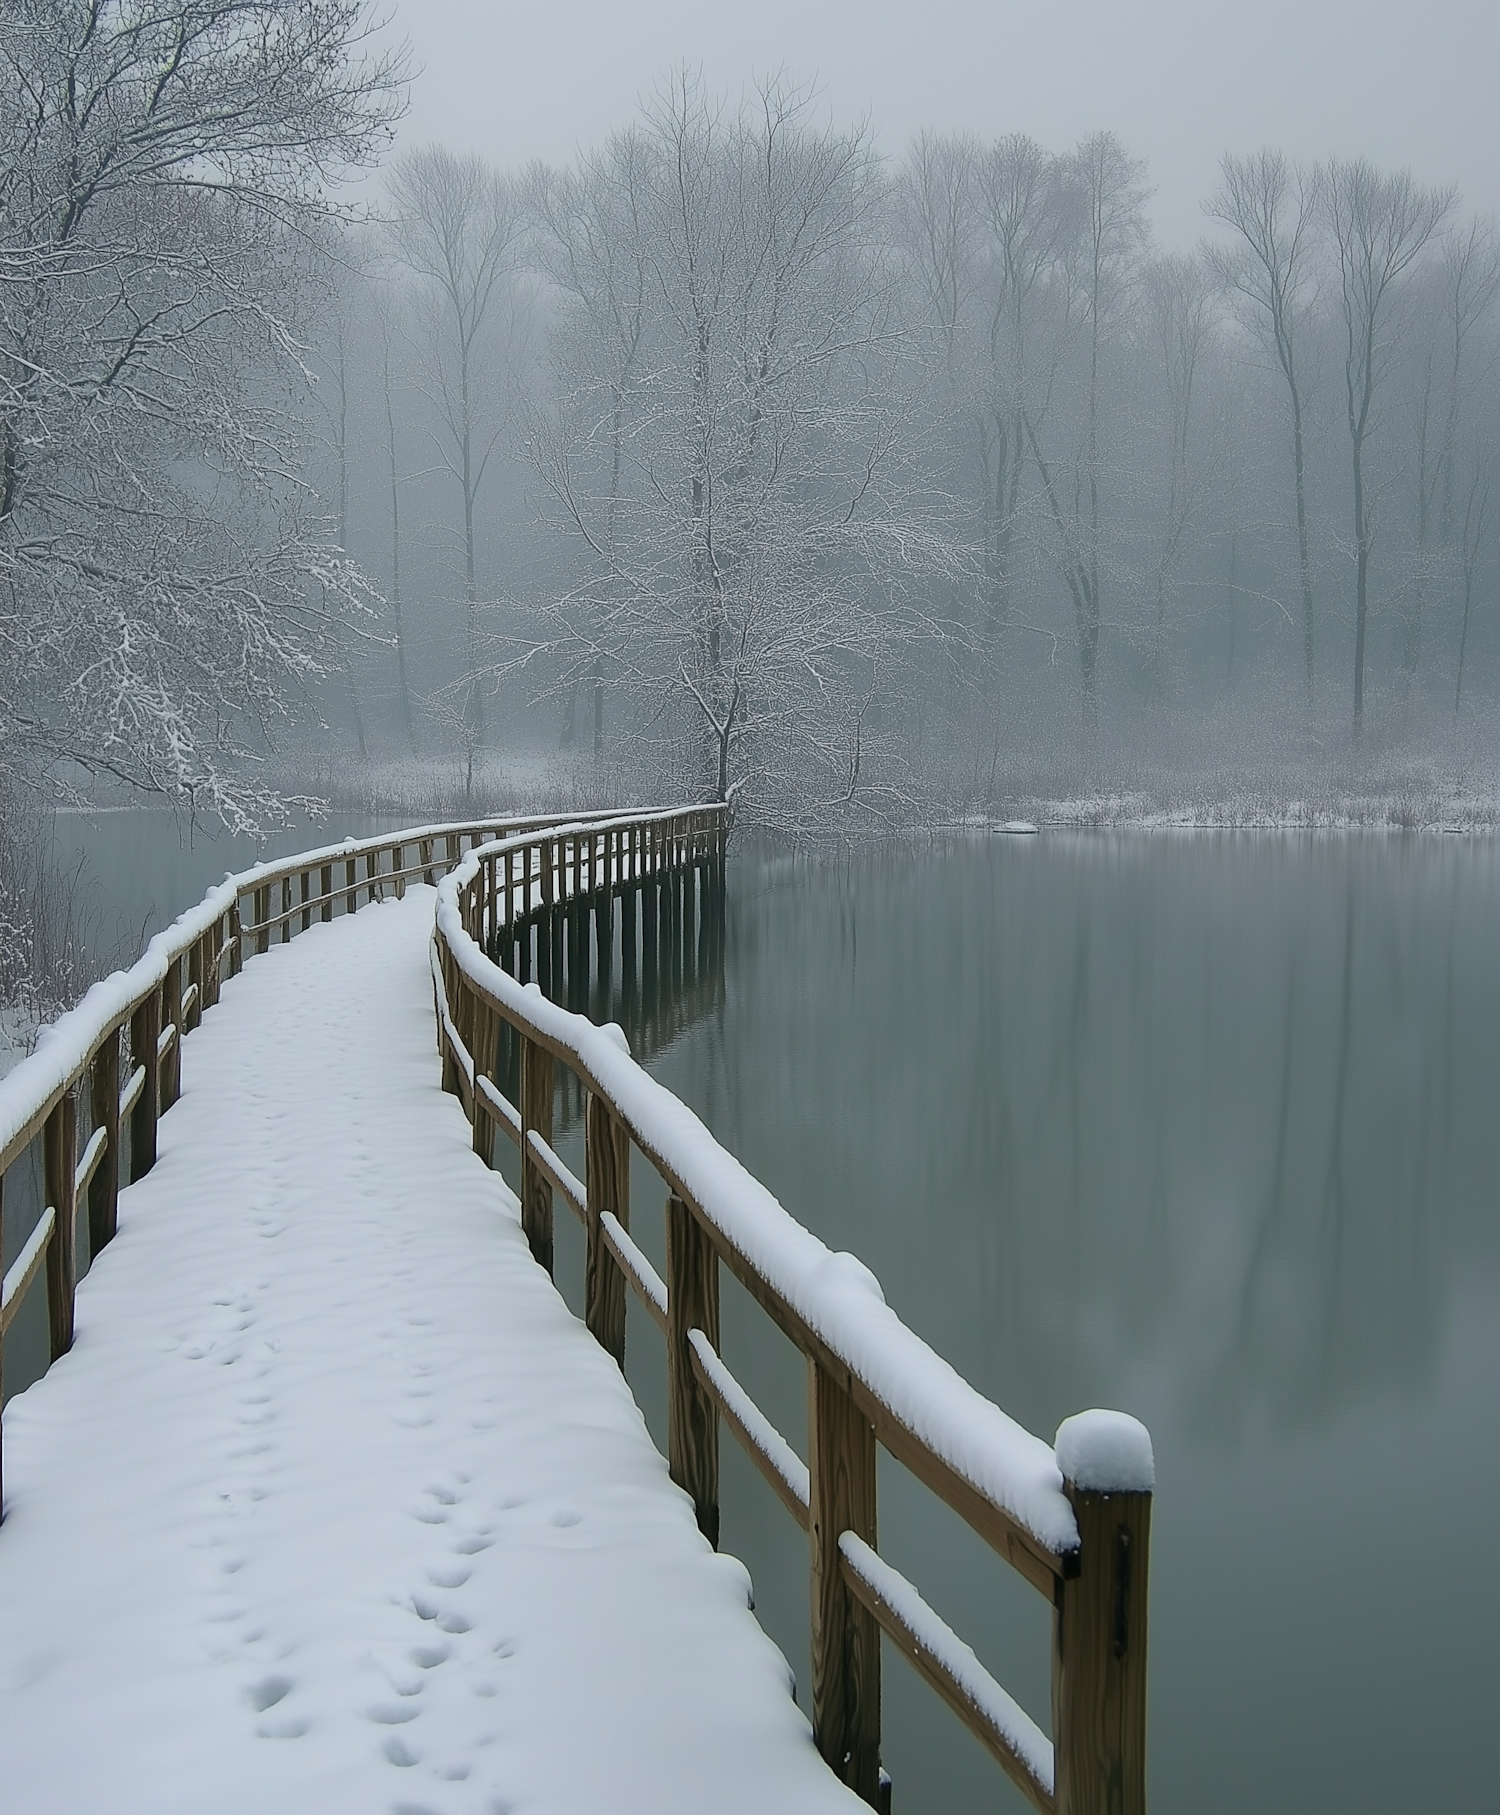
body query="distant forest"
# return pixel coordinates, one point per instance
(733, 459)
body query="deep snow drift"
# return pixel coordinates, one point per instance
(334, 1506)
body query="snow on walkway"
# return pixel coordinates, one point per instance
(334, 1506)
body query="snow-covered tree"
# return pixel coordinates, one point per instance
(724, 444)
(165, 570)
(455, 227)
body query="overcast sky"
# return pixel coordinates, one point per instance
(1180, 80)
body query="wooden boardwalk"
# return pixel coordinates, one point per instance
(328, 1500)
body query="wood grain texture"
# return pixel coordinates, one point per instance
(692, 1418)
(1099, 1658)
(145, 1025)
(484, 1047)
(104, 1105)
(536, 1112)
(607, 1184)
(171, 1015)
(845, 1636)
(59, 1158)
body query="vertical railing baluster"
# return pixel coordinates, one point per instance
(536, 1113)
(325, 889)
(59, 1160)
(692, 1417)
(607, 1187)
(171, 1016)
(104, 1106)
(845, 1637)
(145, 1025)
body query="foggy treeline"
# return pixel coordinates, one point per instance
(740, 452)
(733, 458)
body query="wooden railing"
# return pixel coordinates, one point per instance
(102, 1076)
(1073, 1520)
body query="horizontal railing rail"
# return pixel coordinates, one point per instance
(1073, 1519)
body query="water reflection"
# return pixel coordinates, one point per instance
(1202, 1127)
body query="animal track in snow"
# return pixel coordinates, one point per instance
(448, 1575)
(268, 1692)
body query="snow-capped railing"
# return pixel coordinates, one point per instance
(1073, 1519)
(72, 1082)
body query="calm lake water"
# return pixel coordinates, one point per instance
(1201, 1127)
(1204, 1128)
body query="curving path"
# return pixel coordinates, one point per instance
(334, 1506)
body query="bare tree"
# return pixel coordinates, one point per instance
(385, 306)
(164, 565)
(723, 448)
(594, 247)
(1273, 206)
(1476, 531)
(1183, 317)
(1380, 225)
(456, 226)
(1101, 266)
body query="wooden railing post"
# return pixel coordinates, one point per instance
(306, 897)
(607, 1187)
(196, 968)
(171, 998)
(262, 915)
(692, 1418)
(351, 892)
(482, 1045)
(104, 1105)
(845, 1637)
(536, 1112)
(425, 857)
(1099, 1658)
(60, 1157)
(145, 1025)
(325, 889)
(285, 918)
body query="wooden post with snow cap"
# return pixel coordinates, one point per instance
(1100, 1620)
(607, 1191)
(536, 1113)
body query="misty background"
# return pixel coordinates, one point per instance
(874, 418)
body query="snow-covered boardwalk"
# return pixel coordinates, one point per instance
(333, 1506)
